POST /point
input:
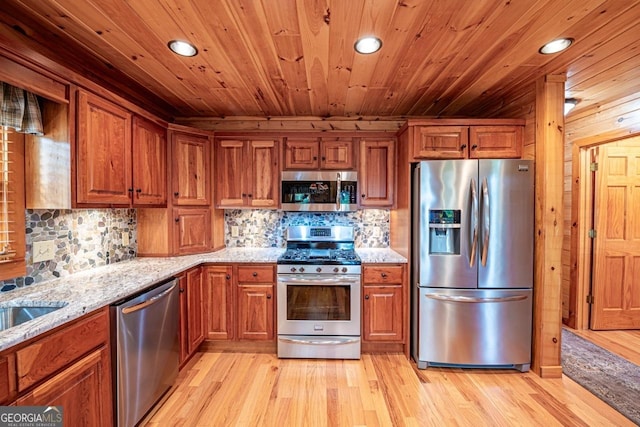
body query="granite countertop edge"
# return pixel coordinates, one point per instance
(98, 287)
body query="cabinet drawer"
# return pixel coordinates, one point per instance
(46, 356)
(383, 274)
(7, 377)
(256, 274)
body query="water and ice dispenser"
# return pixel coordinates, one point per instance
(444, 231)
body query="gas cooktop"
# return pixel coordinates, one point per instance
(340, 256)
(332, 245)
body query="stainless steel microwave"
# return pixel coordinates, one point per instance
(319, 191)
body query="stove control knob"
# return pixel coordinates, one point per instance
(344, 269)
(293, 269)
(319, 270)
(335, 270)
(301, 269)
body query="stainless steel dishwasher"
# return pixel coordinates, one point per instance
(146, 350)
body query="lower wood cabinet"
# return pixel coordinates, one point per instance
(240, 302)
(69, 367)
(383, 303)
(191, 312)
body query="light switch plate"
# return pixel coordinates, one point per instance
(44, 250)
(125, 238)
(235, 232)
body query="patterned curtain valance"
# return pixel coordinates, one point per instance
(19, 110)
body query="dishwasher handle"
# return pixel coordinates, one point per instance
(150, 301)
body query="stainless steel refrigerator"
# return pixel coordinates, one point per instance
(472, 275)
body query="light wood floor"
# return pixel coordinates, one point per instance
(250, 389)
(625, 344)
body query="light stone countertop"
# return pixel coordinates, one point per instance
(92, 289)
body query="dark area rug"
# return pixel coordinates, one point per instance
(610, 377)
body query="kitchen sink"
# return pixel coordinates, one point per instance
(16, 315)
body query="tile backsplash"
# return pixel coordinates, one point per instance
(84, 238)
(265, 228)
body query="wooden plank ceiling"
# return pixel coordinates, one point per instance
(296, 58)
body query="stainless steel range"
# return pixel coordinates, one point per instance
(318, 289)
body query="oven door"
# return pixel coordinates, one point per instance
(321, 304)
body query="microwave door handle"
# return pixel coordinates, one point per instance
(486, 218)
(339, 190)
(474, 222)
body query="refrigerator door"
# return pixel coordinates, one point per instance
(506, 224)
(475, 327)
(447, 224)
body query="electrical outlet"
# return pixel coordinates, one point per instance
(125, 238)
(235, 231)
(44, 250)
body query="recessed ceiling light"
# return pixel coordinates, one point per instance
(182, 48)
(558, 45)
(569, 105)
(368, 45)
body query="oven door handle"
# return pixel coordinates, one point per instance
(321, 341)
(320, 280)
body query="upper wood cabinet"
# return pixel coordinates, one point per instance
(103, 152)
(192, 230)
(150, 163)
(191, 169)
(467, 142)
(377, 172)
(441, 142)
(121, 159)
(319, 153)
(246, 173)
(490, 142)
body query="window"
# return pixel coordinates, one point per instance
(12, 216)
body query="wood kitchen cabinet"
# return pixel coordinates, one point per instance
(121, 158)
(377, 173)
(191, 230)
(103, 166)
(256, 302)
(467, 142)
(383, 299)
(150, 163)
(218, 301)
(247, 173)
(69, 367)
(192, 318)
(495, 142)
(319, 153)
(191, 169)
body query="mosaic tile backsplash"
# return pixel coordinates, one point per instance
(84, 238)
(265, 228)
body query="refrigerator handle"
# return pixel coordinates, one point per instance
(474, 222)
(461, 298)
(485, 222)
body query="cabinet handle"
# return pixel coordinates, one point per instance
(366, 297)
(176, 194)
(244, 194)
(315, 158)
(474, 146)
(181, 290)
(324, 158)
(138, 190)
(255, 274)
(463, 146)
(228, 277)
(363, 195)
(268, 296)
(131, 190)
(384, 275)
(177, 220)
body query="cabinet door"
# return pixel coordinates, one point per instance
(149, 163)
(192, 230)
(377, 173)
(337, 154)
(440, 142)
(255, 312)
(195, 314)
(191, 165)
(301, 154)
(383, 315)
(495, 142)
(231, 171)
(183, 328)
(103, 166)
(218, 297)
(263, 177)
(83, 390)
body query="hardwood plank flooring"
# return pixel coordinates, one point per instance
(625, 344)
(256, 389)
